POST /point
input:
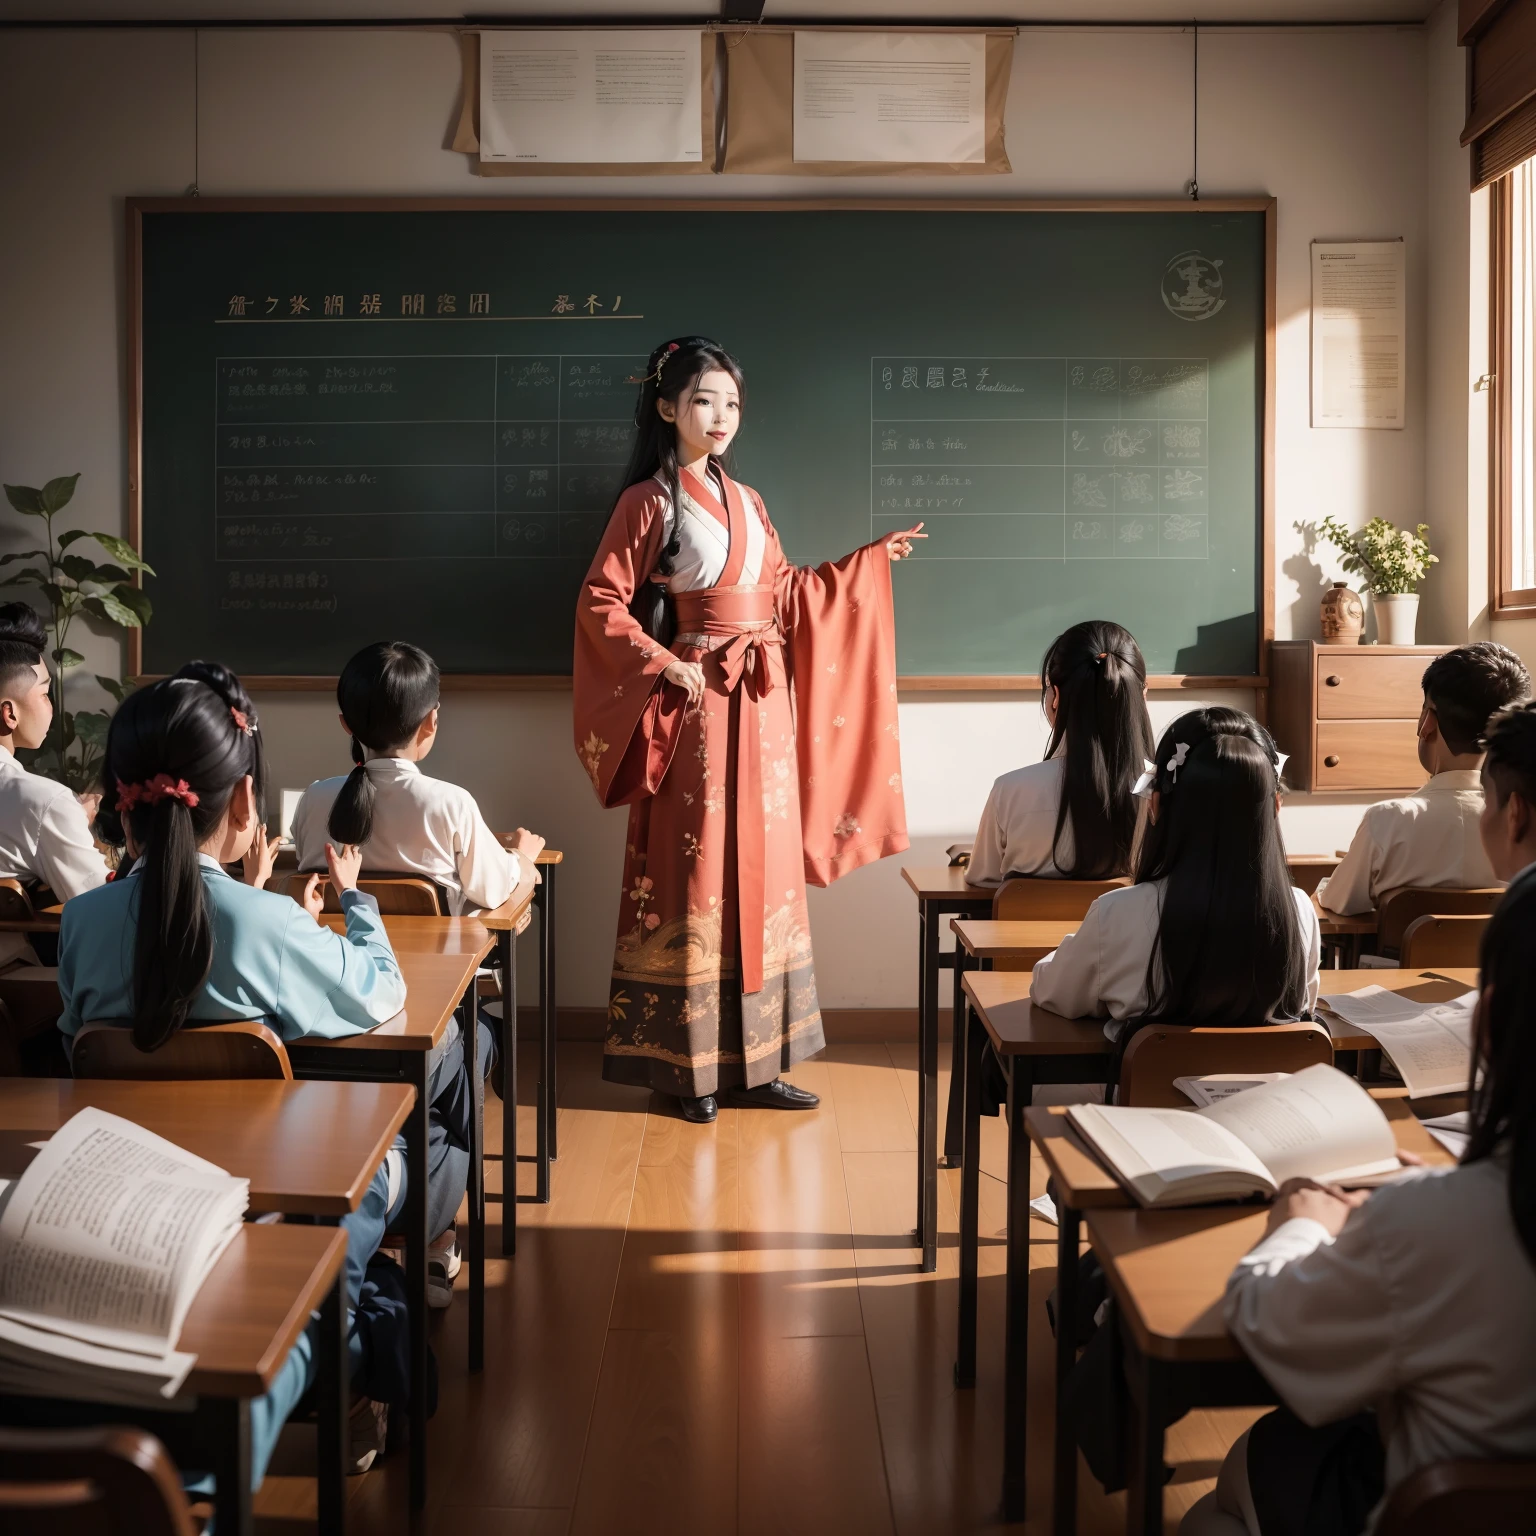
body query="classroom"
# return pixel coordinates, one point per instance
(1037, 497)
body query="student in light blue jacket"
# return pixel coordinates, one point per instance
(178, 940)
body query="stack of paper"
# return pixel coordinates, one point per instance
(1430, 1043)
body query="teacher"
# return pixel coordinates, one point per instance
(745, 710)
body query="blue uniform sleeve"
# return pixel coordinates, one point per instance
(334, 985)
(70, 1020)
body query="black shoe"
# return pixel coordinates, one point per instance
(698, 1111)
(775, 1095)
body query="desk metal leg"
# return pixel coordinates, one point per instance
(1016, 1333)
(1149, 1398)
(1064, 1483)
(417, 1238)
(331, 1402)
(928, 1092)
(954, 1130)
(973, 1038)
(547, 1012)
(231, 1438)
(506, 951)
(544, 1098)
(469, 1013)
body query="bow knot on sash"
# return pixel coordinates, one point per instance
(744, 661)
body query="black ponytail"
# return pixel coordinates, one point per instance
(384, 693)
(175, 752)
(1101, 722)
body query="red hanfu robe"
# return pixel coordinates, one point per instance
(790, 771)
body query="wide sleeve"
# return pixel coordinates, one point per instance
(626, 718)
(1317, 1317)
(332, 985)
(839, 628)
(70, 864)
(1069, 980)
(1351, 888)
(987, 852)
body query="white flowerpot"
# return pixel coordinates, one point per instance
(1397, 617)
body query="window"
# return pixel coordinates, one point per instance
(1513, 417)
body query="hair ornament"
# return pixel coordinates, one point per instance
(1281, 759)
(1143, 786)
(242, 722)
(1101, 658)
(654, 377)
(1180, 752)
(152, 792)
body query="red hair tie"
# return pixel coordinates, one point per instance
(161, 787)
(241, 722)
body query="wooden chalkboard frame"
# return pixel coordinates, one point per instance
(136, 207)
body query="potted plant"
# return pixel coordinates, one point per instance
(75, 587)
(1392, 562)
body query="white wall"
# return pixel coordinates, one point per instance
(1331, 122)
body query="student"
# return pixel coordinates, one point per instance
(178, 940)
(1073, 814)
(1398, 1329)
(1431, 838)
(1212, 932)
(400, 818)
(1508, 822)
(45, 833)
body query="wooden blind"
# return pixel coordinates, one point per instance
(1500, 38)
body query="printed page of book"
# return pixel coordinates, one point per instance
(1214, 1086)
(1430, 1044)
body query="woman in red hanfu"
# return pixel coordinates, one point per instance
(745, 710)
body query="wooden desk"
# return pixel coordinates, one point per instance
(1436, 986)
(249, 1313)
(438, 985)
(1350, 932)
(1309, 870)
(1024, 941)
(940, 890)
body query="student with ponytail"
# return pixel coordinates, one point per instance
(179, 942)
(1073, 814)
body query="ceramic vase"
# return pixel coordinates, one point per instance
(1397, 617)
(1343, 615)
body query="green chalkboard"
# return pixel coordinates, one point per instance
(360, 420)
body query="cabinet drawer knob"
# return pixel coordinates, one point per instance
(1333, 680)
(1331, 761)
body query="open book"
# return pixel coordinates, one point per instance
(1430, 1043)
(1216, 1086)
(1317, 1123)
(105, 1241)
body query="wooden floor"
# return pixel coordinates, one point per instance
(724, 1329)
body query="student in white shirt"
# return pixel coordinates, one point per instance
(45, 833)
(401, 819)
(1212, 931)
(1073, 814)
(1431, 838)
(1399, 1329)
(1508, 824)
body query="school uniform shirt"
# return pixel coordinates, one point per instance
(1101, 970)
(1425, 839)
(271, 960)
(44, 833)
(421, 826)
(1423, 1307)
(1018, 826)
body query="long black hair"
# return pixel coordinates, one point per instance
(1229, 949)
(384, 692)
(188, 738)
(674, 368)
(1501, 1112)
(1102, 727)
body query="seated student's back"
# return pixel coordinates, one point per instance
(1431, 838)
(404, 821)
(1073, 815)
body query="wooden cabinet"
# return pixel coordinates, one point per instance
(1348, 714)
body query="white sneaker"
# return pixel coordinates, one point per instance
(443, 1264)
(368, 1429)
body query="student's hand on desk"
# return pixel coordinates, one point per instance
(689, 676)
(525, 844)
(256, 866)
(346, 864)
(1308, 1200)
(899, 545)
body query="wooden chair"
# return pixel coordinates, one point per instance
(1161, 1052)
(1030, 896)
(15, 904)
(31, 996)
(1452, 1497)
(397, 895)
(246, 1048)
(1396, 909)
(112, 1481)
(1436, 939)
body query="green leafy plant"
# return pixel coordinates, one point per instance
(1392, 560)
(75, 587)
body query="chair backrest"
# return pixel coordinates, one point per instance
(246, 1048)
(1436, 939)
(397, 895)
(1027, 896)
(31, 993)
(1448, 1498)
(1396, 909)
(1158, 1053)
(15, 904)
(112, 1481)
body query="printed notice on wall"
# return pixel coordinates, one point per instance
(890, 96)
(574, 98)
(1358, 333)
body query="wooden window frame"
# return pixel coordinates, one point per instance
(1505, 601)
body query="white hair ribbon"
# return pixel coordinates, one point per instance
(1281, 759)
(1143, 786)
(1180, 752)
